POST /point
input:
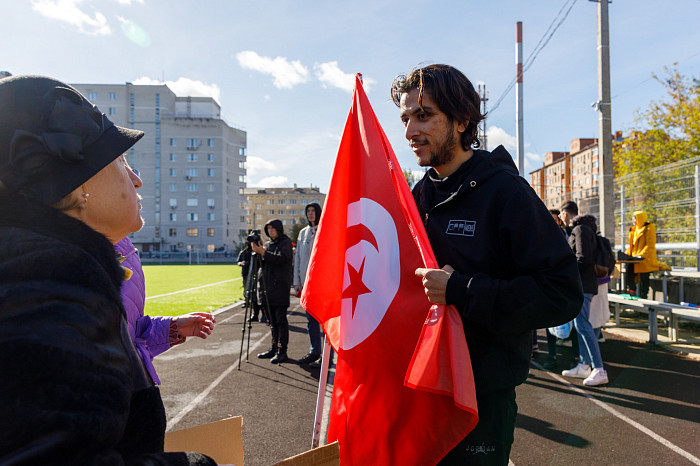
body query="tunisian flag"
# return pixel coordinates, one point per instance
(403, 390)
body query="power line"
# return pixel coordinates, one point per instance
(541, 44)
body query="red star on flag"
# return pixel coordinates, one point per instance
(356, 286)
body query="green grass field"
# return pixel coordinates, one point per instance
(166, 279)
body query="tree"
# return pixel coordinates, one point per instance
(665, 132)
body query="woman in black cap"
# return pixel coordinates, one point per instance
(72, 386)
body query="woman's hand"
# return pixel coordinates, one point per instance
(195, 324)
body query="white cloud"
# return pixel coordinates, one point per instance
(185, 87)
(331, 75)
(255, 165)
(496, 136)
(287, 73)
(273, 182)
(128, 2)
(68, 12)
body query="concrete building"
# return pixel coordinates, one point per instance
(286, 204)
(192, 164)
(569, 175)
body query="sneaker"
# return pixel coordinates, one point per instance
(550, 364)
(597, 377)
(311, 357)
(581, 371)
(253, 319)
(601, 339)
(267, 354)
(279, 358)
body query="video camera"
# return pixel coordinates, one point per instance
(253, 237)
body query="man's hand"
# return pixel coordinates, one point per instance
(258, 248)
(196, 324)
(435, 282)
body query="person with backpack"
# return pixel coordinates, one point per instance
(583, 242)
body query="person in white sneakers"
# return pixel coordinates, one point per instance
(583, 242)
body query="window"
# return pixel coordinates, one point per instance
(211, 202)
(192, 217)
(112, 96)
(210, 187)
(210, 216)
(157, 100)
(210, 248)
(304, 202)
(172, 232)
(173, 217)
(258, 206)
(270, 202)
(281, 212)
(281, 202)
(131, 115)
(210, 157)
(293, 202)
(241, 165)
(192, 143)
(173, 172)
(173, 202)
(211, 172)
(192, 202)
(191, 172)
(131, 99)
(192, 187)
(112, 111)
(191, 157)
(92, 96)
(210, 142)
(173, 157)
(210, 232)
(193, 232)
(293, 212)
(241, 178)
(241, 151)
(271, 212)
(173, 142)
(173, 187)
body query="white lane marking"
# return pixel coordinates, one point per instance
(199, 398)
(621, 416)
(192, 289)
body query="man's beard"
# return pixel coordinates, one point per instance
(445, 152)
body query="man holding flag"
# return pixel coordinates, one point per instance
(504, 263)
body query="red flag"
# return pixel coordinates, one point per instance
(361, 286)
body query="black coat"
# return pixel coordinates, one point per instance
(277, 268)
(73, 389)
(514, 271)
(582, 241)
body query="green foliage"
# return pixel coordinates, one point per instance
(667, 131)
(166, 279)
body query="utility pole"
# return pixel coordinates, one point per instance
(519, 97)
(483, 97)
(605, 181)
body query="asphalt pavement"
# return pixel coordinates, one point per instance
(649, 413)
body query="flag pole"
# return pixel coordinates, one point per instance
(321, 396)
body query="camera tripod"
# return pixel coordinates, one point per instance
(250, 289)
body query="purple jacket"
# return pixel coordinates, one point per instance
(151, 335)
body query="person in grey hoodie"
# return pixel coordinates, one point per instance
(305, 243)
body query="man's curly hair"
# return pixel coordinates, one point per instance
(452, 92)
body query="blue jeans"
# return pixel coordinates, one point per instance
(587, 340)
(314, 330)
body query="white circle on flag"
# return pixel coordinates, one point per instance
(372, 265)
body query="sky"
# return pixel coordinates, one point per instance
(283, 70)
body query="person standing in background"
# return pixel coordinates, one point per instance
(642, 243)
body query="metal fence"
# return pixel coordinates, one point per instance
(670, 195)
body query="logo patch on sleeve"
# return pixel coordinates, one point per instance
(461, 227)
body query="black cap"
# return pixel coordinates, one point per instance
(52, 139)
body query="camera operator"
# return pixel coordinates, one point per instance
(277, 263)
(245, 261)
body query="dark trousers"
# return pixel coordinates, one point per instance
(490, 441)
(279, 326)
(641, 288)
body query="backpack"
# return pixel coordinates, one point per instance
(604, 257)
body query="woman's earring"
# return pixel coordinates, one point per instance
(86, 195)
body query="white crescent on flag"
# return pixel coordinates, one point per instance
(372, 275)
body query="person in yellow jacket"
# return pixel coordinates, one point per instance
(642, 243)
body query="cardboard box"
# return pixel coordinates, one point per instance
(221, 440)
(327, 455)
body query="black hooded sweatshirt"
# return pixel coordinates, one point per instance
(277, 265)
(514, 270)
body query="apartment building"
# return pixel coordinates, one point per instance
(285, 204)
(192, 164)
(569, 175)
